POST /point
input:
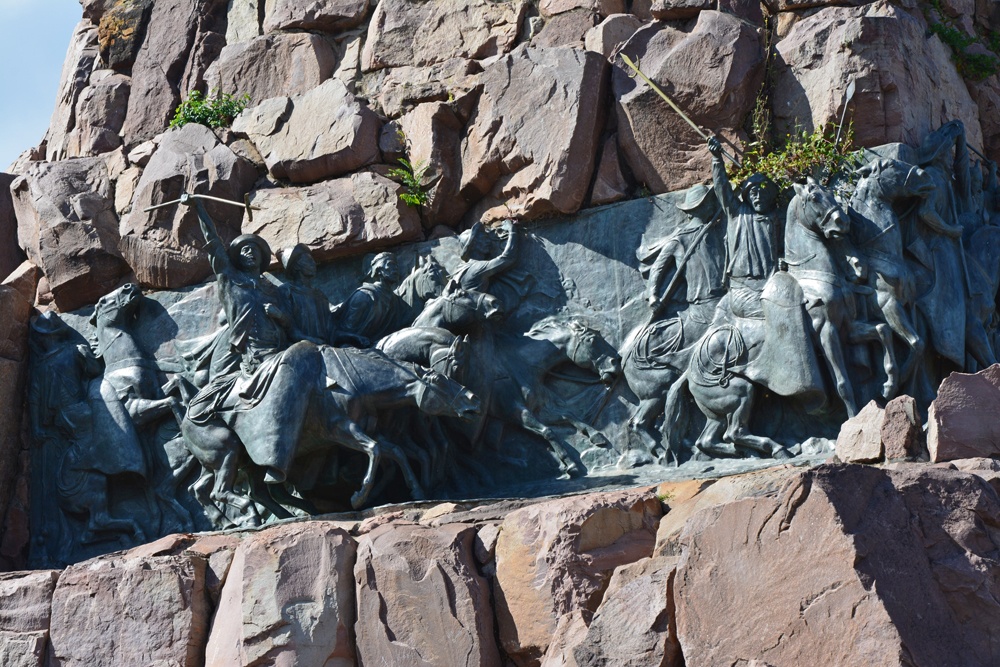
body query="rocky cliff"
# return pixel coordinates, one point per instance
(510, 108)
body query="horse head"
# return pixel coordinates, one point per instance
(427, 279)
(451, 361)
(439, 395)
(814, 207)
(891, 180)
(583, 345)
(458, 307)
(118, 307)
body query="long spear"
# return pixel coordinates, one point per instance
(673, 105)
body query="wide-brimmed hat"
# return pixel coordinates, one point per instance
(246, 239)
(695, 196)
(938, 141)
(49, 323)
(289, 256)
(760, 180)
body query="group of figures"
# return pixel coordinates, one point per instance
(294, 405)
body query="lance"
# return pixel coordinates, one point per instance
(244, 205)
(673, 105)
(679, 269)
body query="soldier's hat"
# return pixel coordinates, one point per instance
(49, 323)
(695, 196)
(246, 239)
(468, 237)
(291, 255)
(758, 179)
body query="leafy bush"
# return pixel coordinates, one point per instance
(217, 111)
(411, 176)
(972, 66)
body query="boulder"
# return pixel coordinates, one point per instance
(324, 133)
(169, 41)
(120, 32)
(986, 94)
(566, 29)
(100, 113)
(81, 59)
(609, 181)
(678, 10)
(11, 255)
(424, 32)
(130, 611)
(400, 89)
(421, 600)
(605, 37)
(433, 135)
(635, 625)
(532, 141)
(960, 421)
(24, 279)
(902, 430)
(243, 20)
(556, 557)
(288, 599)
(16, 310)
(601, 8)
(165, 247)
(712, 69)
(25, 609)
(319, 15)
(67, 225)
(860, 439)
(850, 565)
(273, 65)
(906, 84)
(346, 216)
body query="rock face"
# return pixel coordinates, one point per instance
(959, 422)
(408, 32)
(433, 134)
(11, 255)
(713, 71)
(869, 45)
(324, 133)
(873, 575)
(531, 143)
(288, 599)
(68, 227)
(449, 619)
(322, 15)
(13, 376)
(79, 63)
(273, 65)
(346, 216)
(164, 247)
(555, 558)
(25, 607)
(130, 611)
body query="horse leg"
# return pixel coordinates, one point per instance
(675, 420)
(260, 492)
(641, 423)
(862, 332)
(225, 481)
(739, 433)
(567, 466)
(396, 454)
(898, 320)
(977, 343)
(352, 437)
(833, 353)
(708, 441)
(201, 489)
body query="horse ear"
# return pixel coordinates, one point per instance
(799, 190)
(866, 170)
(811, 181)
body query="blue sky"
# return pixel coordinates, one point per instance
(34, 37)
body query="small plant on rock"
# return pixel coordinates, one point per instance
(215, 112)
(411, 176)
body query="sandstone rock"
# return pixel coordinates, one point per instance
(15, 309)
(902, 430)
(208, 45)
(278, 64)
(433, 135)
(25, 603)
(11, 255)
(641, 9)
(609, 182)
(120, 32)
(860, 439)
(986, 94)
(319, 15)
(346, 216)
(599, 7)
(130, 611)
(571, 631)
(987, 470)
(125, 187)
(748, 10)
(24, 279)
(420, 599)
(677, 10)
(323, 133)
(635, 625)
(605, 37)
(288, 599)
(556, 557)
(960, 421)
(411, 32)
(164, 247)
(140, 155)
(532, 141)
(850, 565)
(713, 72)
(170, 37)
(566, 29)
(100, 113)
(243, 20)
(80, 61)
(68, 228)
(906, 83)
(400, 89)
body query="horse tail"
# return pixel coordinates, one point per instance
(675, 418)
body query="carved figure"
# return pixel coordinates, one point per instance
(374, 310)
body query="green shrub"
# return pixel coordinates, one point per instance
(972, 66)
(217, 111)
(411, 176)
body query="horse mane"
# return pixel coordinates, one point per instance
(556, 322)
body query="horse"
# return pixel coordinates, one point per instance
(884, 186)
(425, 281)
(508, 376)
(459, 310)
(320, 397)
(722, 361)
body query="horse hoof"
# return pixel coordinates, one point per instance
(357, 500)
(780, 454)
